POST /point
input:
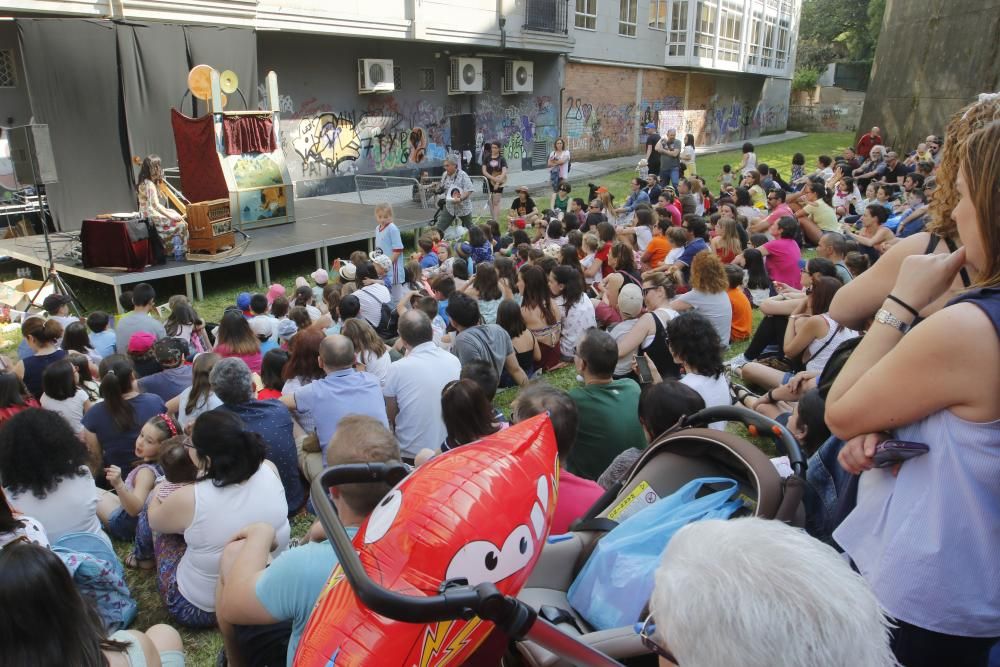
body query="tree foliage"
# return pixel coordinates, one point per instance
(835, 30)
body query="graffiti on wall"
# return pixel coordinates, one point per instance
(825, 117)
(725, 120)
(322, 141)
(601, 127)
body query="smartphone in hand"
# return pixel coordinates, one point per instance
(891, 452)
(642, 364)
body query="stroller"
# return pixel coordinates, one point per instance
(686, 452)
(545, 630)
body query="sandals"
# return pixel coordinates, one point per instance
(739, 394)
(133, 563)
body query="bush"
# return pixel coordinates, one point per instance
(805, 79)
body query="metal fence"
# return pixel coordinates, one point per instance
(400, 191)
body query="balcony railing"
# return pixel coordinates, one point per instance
(546, 16)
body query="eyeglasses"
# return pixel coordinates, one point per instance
(647, 633)
(647, 290)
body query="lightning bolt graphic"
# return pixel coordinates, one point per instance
(434, 638)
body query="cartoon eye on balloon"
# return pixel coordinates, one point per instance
(383, 516)
(482, 561)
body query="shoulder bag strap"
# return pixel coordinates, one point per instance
(952, 247)
(829, 340)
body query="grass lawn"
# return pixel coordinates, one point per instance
(221, 288)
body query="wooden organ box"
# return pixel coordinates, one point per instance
(210, 226)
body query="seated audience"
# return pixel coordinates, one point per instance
(742, 309)
(237, 487)
(139, 319)
(102, 338)
(482, 342)
(271, 369)
(14, 396)
(42, 337)
(708, 294)
(233, 384)
(198, 397)
(235, 339)
(694, 344)
(62, 394)
(176, 375)
(371, 354)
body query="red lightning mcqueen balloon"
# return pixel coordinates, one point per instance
(480, 512)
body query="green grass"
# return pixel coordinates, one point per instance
(221, 287)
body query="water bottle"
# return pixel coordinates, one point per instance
(178, 249)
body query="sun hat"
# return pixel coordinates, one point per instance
(287, 329)
(348, 272)
(320, 276)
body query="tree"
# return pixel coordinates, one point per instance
(832, 30)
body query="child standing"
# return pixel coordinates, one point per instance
(389, 242)
(726, 177)
(591, 267)
(120, 513)
(102, 339)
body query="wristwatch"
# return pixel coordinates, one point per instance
(883, 316)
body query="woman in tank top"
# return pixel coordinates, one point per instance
(649, 335)
(924, 532)
(237, 487)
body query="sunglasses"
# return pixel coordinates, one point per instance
(647, 633)
(647, 290)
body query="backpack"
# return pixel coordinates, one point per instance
(99, 576)
(388, 324)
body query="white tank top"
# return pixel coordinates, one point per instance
(220, 513)
(818, 361)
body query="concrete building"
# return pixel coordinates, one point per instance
(401, 82)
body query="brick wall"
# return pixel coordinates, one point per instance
(600, 115)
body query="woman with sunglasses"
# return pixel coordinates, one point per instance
(649, 335)
(560, 198)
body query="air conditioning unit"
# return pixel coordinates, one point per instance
(375, 75)
(466, 76)
(518, 76)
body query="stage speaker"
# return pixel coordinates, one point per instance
(31, 155)
(463, 132)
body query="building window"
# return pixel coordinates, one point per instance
(487, 80)
(397, 78)
(781, 52)
(730, 25)
(628, 17)
(586, 14)
(677, 40)
(8, 69)
(753, 53)
(658, 14)
(704, 30)
(767, 42)
(427, 78)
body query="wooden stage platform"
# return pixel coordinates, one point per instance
(320, 223)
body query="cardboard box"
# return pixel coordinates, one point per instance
(17, 294)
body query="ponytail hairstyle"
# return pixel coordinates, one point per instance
(44, 331)
(117, 378)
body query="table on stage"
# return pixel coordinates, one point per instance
(118, 243)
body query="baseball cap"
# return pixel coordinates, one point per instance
(630, 300)
(320, 276)
(274, 291)
(168, 350)
(140, 342)
(287, 329)
(243, 301)
(261, 326)
(348, 271)
(650, 126)
(54, 302)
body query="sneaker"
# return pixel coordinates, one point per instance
(737, 362)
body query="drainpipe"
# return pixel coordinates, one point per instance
(503, 32)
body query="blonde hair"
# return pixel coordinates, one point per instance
(591, 242)
(980, 163)
(382, 207)
(964, 123)
(363, 336)
(729, 238)
(708, 274)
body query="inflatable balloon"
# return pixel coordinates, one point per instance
(480, 512)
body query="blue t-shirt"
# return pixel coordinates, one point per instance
(271, 420)
(429, 261)
(119, 446)
(387, 240)
(290, 586)
(340, 393)
(168, 383)
(103, 342)
(687, 257)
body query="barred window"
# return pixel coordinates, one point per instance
(8, 69)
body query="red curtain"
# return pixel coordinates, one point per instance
(248, 134)
(201, 170)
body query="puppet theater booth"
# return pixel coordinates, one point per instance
(111, 92)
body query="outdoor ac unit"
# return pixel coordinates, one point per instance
(518, 76)
(375, 76)
(466, 76)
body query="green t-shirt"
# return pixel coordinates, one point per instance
(824, 216)
(609, 424)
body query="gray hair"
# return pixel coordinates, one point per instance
(764, 582)
(231, 381)
(452, 158)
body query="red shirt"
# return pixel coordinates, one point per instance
(576, 496)
(266, 393)
(602, 257)
(866, 142)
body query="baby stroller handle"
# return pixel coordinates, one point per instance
(457, 600)
(758, 425)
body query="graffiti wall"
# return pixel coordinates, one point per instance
(843, 117)
(606, 108)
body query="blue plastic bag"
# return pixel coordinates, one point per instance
(617, 580)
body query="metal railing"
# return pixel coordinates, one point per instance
(404, 192)
(546, 16)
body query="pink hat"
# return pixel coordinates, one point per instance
(301, 282)
(274, 291)
(320, 276)
(140, 342)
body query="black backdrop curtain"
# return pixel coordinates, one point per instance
(105, 89)
(71, 66)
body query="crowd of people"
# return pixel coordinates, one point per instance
(195, 441)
